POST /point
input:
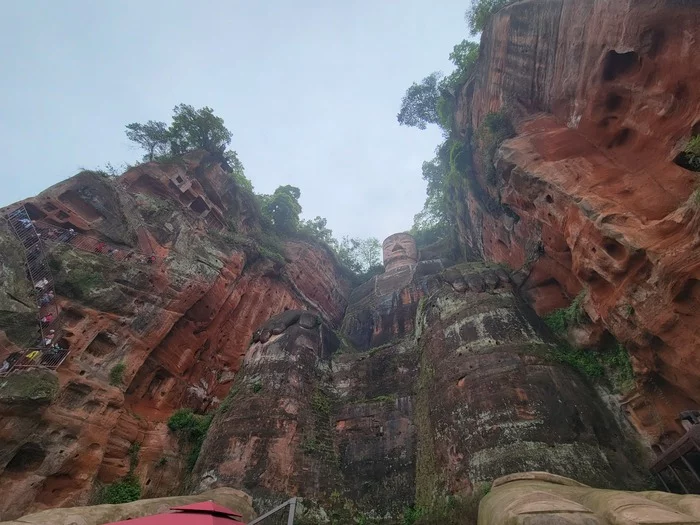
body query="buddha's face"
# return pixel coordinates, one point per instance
(399, 250)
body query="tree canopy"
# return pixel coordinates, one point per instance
(197, 129)
(282, 208)
(152, 136)
(478, 14)
(190, 129)
(419, 104)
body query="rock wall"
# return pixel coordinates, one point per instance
(180, 326)
(468, 393)
(587, 195)
(492, 401)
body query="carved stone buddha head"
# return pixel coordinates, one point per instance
(399, 250)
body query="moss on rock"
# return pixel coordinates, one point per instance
(37, 386)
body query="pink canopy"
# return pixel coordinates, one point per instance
(205, 513)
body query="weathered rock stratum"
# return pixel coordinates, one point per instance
(468, 393)
(587, 196)
(178, 326)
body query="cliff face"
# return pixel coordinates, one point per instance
(180, 324)
(587, 195)
(470, 392)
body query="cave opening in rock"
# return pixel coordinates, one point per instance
(621, 138)
(198, 205)
(29, 457)
(34, 212)
(617, 64)
(613, 101)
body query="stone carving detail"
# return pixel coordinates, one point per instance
(399, 250)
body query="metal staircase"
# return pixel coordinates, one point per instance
(43, 353)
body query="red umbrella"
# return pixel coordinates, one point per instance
(205, 513)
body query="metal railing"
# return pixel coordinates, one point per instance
(79, 241)
(38, 270)
(291, 503)
(50, 358)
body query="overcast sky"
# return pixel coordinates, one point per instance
(309, 89)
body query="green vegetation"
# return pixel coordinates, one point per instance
(134, 450)
(191, 429)
(124, 491)
(79, 282)
(453, 510)
(36, 385)
(432, 101)
(563, 318)
(116, 374)
(612, 361)
(128, 488)
(692, 153)
(480, 11)
(278, 213)
(585, 361)
(256, 387)
(420, 103)
(321, 403)
(495, 128)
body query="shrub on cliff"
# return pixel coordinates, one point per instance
(116, 374)
(124, 491)
(692, 153)
(191, 429)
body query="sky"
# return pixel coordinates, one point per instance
(309, 89)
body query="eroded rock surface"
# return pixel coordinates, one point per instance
(587, 195)
(469, 395)
(180, 325)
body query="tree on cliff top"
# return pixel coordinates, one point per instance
(152, 136)
(477, 16)
(430, 101)
(419, 104)
(197, 129)
(189, 130)
(282, 208)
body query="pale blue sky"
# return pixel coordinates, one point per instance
(309, 89)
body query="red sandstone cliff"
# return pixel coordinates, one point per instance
(180, 325)
(604, 94)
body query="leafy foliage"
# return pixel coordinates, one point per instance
(419, 104)
(79, 282)
(464, 56)
(153, 136)
(563, 318)
(360, 255)
(317, 228)
(124, 491)
(191, 429)
(282, 208)
(495, 128)
(478, 14)
(611, 361)
(116, 374)
(189, 130)
(692, 153)
(197, 129)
